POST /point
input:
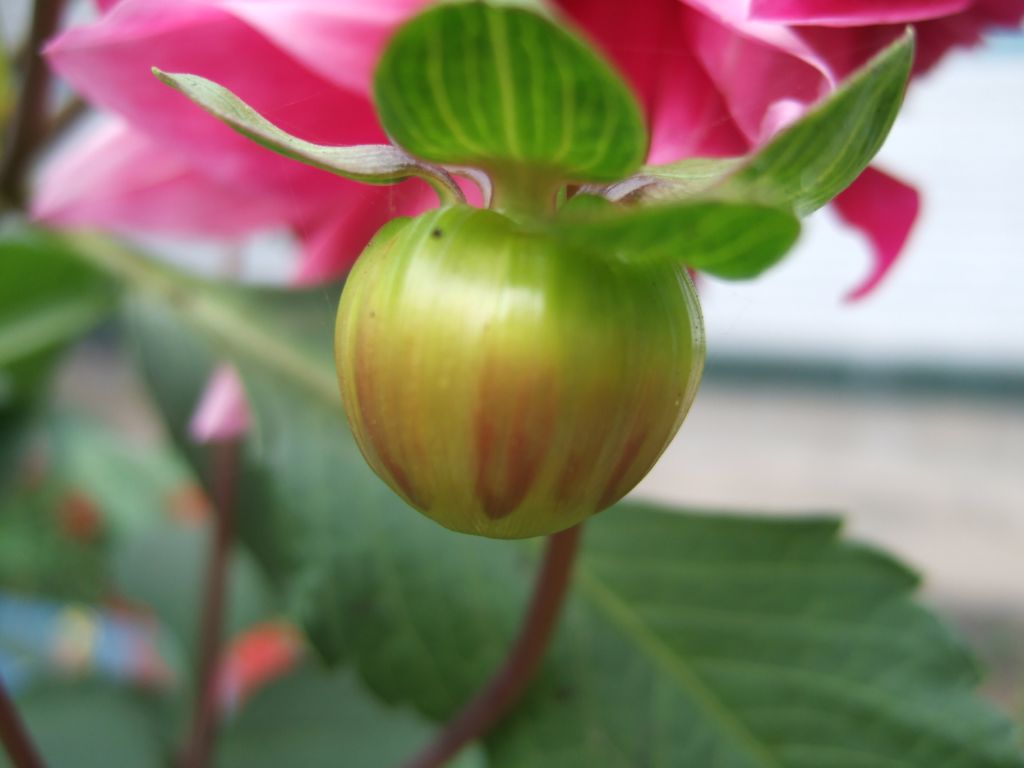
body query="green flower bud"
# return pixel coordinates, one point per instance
(504, 385)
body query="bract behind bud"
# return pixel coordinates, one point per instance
(505, 385)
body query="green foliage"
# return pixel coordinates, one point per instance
(318, 719)
(163, 568)
(90, 725)
(132, 482)
(80, 494)
(176, 368)
(735, 641)
(753, 641)
(47, 298)
(41, 553)
(506, 90)
(811, 161)
(728, 240)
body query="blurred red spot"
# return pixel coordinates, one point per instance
(258, 656)
(189, 505)
(79, 517)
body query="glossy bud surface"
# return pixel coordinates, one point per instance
(503, 385)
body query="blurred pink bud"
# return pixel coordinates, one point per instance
(223, 411)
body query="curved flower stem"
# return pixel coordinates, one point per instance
(503, 690)
(15, 736)
(204, 714)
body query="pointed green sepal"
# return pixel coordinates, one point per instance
(371, 164)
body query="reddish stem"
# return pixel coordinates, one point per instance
(15, 735)
(204, 714)
(503, 690)
(30, 116)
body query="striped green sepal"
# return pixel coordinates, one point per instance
(504, 89)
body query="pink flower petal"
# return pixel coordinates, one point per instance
(884, 209)
(852, 12)
(340, 40)
(331, 244)
(117, 178)
(223, 411)
(686, 113)
(846, 49)
(109, 63)
(754, 70)
(735, 15)
(936, 38)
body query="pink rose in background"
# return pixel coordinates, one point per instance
(716, 78)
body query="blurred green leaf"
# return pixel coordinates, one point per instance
(177, 365)
(728, 240)
(15, 424)
(319, 719)
(48, 298)
(163, 567)
(52, 543)
(808, 163)
(133, 483)
(84, 493)
(688, 638)
(506, 90)
(90, 725)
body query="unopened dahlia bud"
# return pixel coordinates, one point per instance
(505, 385)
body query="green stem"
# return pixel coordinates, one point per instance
(507, 686)
(516, 193)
